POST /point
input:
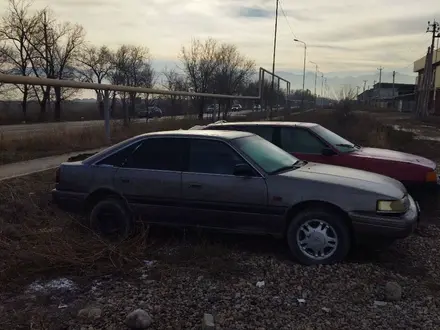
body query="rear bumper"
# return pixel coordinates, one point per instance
(69, 201)
(385, 226)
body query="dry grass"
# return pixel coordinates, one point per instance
(59, 141)
(37, 238)
(15, 148)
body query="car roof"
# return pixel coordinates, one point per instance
(222, 134)
(227, 135)
(266, 123)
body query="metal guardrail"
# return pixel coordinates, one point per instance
(25, 80)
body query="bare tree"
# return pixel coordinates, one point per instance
(95, 65)
(200, 62)
(56, 46)
(175, 81)
(233, 72)
(16, 50)
(132, 67)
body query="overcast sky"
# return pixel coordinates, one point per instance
(344, 37)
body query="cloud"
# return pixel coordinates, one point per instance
(385, 27)
(341, 36)
(254, 12)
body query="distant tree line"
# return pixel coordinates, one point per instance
(35, 43)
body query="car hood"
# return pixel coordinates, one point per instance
(350, 178)
(392, 155)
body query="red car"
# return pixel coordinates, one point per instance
(315, 143)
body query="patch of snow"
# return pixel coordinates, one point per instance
(62, 284)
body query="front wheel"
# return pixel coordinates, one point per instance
(318, 237)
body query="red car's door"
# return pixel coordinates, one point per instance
(305, 145)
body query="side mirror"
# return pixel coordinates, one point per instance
(243, 170)
(328, 152)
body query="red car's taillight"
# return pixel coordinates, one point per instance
(57, 175)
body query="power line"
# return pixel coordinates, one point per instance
(287, 20)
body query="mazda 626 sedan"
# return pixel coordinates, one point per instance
(234, 181)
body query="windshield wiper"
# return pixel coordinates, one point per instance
(297, 164)
(353, 146)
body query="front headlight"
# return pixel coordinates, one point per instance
(431, 176)
(397, 206)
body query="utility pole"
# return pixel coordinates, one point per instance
(433, 28)
(380, 81)
(304, 71)
(363, 93)
(394, 80)
(316, 77)
(322, 90)
(273, 56)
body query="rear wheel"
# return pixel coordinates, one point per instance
(319, 237)
(111, 219)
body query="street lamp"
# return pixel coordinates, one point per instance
(304, 70)
(273, 56)
(316, 77)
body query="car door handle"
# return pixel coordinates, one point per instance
(195, 185)
(125, 180)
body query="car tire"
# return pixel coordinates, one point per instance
(111, 219)
(337, 237)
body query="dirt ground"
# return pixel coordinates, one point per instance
(55, 274)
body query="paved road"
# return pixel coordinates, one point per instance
(39, 128)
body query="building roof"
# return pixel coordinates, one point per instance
(396, 85)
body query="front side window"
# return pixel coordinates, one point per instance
(157, 154)
(268, 156)
(212, 157)
(299, 140)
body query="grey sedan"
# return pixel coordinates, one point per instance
(234, 181)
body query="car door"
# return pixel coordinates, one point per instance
(303, 144)
(217, 198)
(151, 179)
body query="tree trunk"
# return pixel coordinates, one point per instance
(201, 106)
(43, 103)
(57, 112)
(100, 100)
(24, 101)
(132, 104)
(125, 111)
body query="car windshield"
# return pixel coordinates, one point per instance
(266, 155)
(341, 144)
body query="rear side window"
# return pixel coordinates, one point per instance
(119, 158)
(266, 132)
(164, 154)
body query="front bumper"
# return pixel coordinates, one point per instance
(387, 226)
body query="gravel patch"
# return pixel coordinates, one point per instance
(240, 288)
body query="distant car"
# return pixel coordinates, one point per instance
(315, 143)
(236, 107)
(149, 112)
(257, 107)
(234, 181)
(212, 108)
(154, 112)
